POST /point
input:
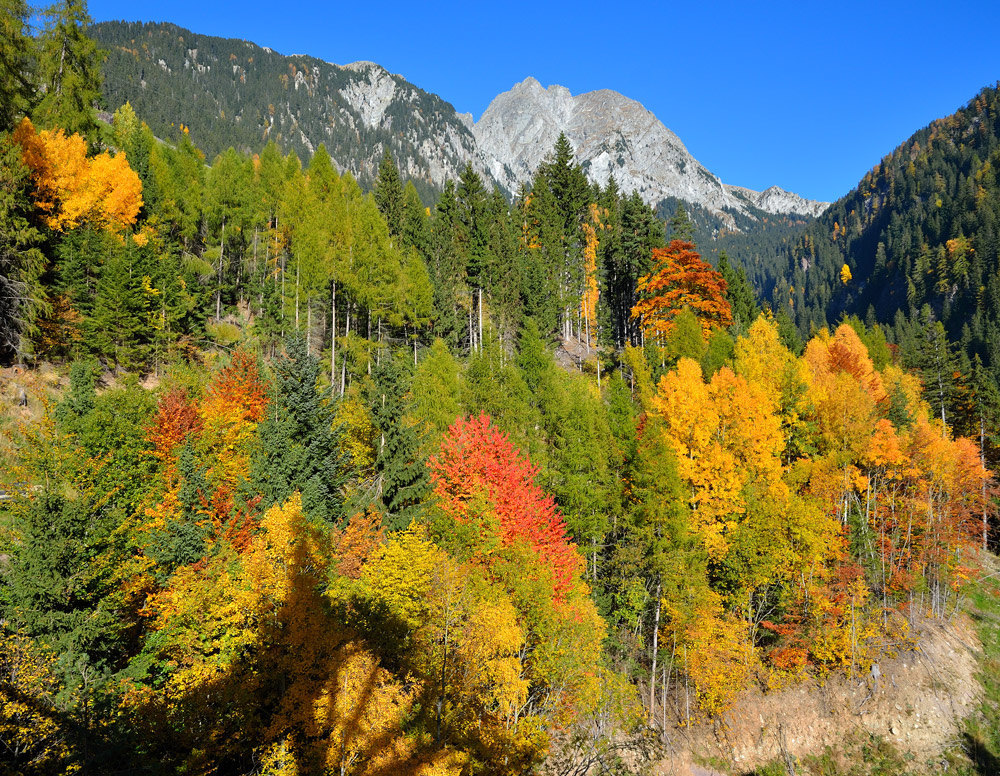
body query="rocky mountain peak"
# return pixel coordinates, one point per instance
(613, 136)
(235, 93)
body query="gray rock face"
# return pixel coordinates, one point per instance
(777, 200)
(613, 137)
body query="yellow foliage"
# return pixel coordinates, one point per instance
(588, 304)
(718, 658)
(31, 726)
(360, 435)
(72, 189)
(725, 436)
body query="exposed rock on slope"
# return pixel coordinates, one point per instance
(613, 137)
(776, 200)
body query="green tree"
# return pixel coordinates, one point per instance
(299, 449)
(436, 393)
(401, 470)
(22, 295)
(16, 89)
(681, 227)
(389, 195)
(69, 71)
(740, 295)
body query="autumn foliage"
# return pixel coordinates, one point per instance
(71, 188)
(479, 467)
(679, 279)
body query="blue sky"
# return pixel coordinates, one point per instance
(806, 96)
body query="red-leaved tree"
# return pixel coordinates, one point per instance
(477, 464)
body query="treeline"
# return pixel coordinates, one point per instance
(264, 245)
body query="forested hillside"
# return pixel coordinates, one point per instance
(914, 243)
(299, 479)
(234, 93)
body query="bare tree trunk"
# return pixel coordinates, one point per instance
(333, 333)
(652, 675)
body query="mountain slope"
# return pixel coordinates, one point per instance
(235, 93)
(921, 229)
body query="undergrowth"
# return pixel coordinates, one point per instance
(979, 751)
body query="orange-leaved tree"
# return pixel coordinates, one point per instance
(679, 279)
(509, 527)
(71, 189)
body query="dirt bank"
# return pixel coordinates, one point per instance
(917, 702)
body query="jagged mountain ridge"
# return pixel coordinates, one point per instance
(234, 93)
(230, 92)
(613, 137)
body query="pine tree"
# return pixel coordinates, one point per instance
(681, 227)
(54, 590)
(403, 482)
(447, 269)
(415, 227)
(119, 329)
(82, 395)
(15, 62)
(740, 295)
(389, 194)
(22, 295)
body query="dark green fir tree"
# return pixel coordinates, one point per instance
(400, 468)
(299, 448)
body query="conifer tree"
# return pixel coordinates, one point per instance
(403, 481)
(447, 269)
(119, 327)
(299, 448)
(82, 395)
(69, 71)
(54, 591)
(415, 227)
(181, 541)
(740, 295)
(389, 194)
(22, 296)
(15, 62)
(681, 227)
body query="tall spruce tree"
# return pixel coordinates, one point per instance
(15, 62)
(389, 194)
(22, 296)
(400, 467)
(740, 295)
(681, 227)
(299, 448)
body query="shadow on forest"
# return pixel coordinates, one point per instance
(287, 688)
(290, 689)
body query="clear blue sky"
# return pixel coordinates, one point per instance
(807, 96)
